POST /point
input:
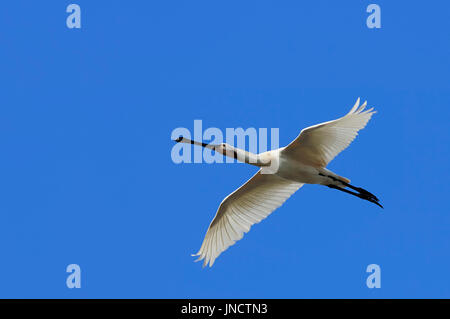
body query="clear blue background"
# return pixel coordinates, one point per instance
(86, 175)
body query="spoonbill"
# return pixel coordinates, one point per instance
(301, 162)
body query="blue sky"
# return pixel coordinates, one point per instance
(87, 178)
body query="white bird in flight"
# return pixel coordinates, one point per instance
(282, 172)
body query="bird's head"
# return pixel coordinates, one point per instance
(226, 149)
(222, 147)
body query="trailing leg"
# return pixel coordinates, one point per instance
(358, 189)
(360, 195)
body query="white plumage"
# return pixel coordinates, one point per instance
(247, 205)
(302, 161)
(317, 145)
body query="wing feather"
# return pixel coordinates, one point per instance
(317, 145)
(246, 206)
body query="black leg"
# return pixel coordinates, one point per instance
(361, 190)
(360, 195)
(358, 189)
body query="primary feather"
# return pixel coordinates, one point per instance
(317, 145)
(248, 205)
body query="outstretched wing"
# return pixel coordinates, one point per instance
(317, 145)
(248, 205)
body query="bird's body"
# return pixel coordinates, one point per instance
(294, 170)
(282, 172)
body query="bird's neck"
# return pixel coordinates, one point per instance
(240, 155)
(246, 157)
